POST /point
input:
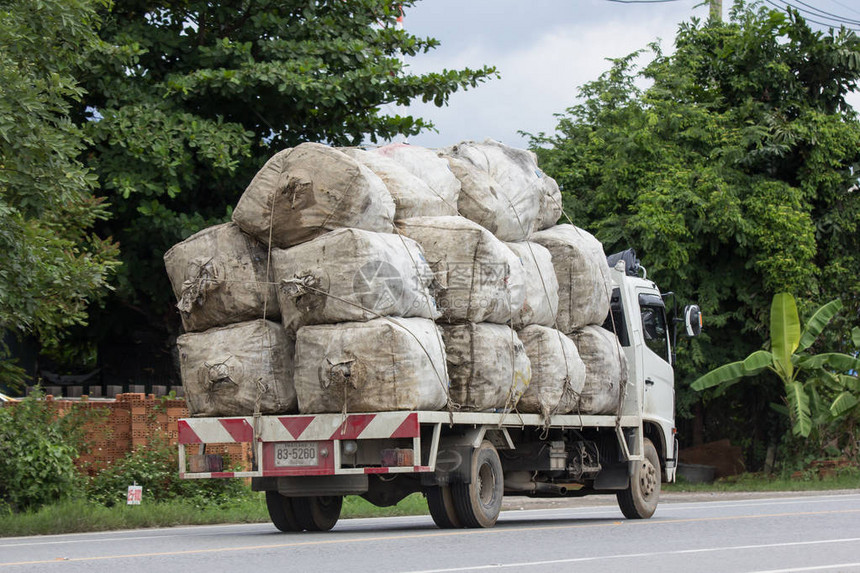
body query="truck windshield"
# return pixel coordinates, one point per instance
(654, 325)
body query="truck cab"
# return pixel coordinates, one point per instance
(639, 318)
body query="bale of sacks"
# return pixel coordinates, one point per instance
(583, 276)
(303, 192)
(499, 188)
(352, 275)
(228, 371)
(379, 365)
(605, 370)
(540, 304)
(479, 279)
(488, 366)
(413, 197)
(429, 168)
(219, 277)
(550, 202)
(558, 373)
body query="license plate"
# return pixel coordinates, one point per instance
(296, 454)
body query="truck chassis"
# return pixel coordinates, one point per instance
(463, 462)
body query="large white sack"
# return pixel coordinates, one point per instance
(488, 366)
(550, 203)
(429, 167)
(500, 188)
(583, 276)
(479, 279)
(605, 370)
(227, 371)
(352, 275)
(412, 196)
(303, 192)
(540, 304)
(219, 277)
(374, 366)
(558, 373)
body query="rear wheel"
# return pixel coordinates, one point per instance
(281, 512)
(317, 513)
(440, 500)
(479, 502)
(639, 500)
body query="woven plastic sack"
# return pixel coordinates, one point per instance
(352, 275)
(540, 304)
(499, 187)
(229, 371)
(584, 285)
(426, 165)
(412, 196)
(219, 277)
(550, 203)
(605, 370)
(558, 373)
(479, 279)
(303, 192)
(375, 366)
(488, 366)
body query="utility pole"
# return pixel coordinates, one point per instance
(716, 10)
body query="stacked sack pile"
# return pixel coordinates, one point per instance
(404, 279)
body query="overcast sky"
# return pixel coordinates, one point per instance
(544, 50)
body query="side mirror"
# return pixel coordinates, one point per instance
(692, 320)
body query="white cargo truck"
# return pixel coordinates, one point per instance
(465, 462)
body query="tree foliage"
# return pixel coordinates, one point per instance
(190, 98)
(733, 173)
(51, 264)
(821, 390)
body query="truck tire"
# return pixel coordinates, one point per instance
(440, 500)
(479, 502)
(318, 512)
(639, 500)
(281, 512)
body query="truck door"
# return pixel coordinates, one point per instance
(659, 399)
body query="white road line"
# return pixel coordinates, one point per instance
(639, 555)
(815, 568)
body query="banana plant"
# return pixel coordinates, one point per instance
(802, 374)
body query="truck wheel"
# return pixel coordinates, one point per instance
(479, 502)
(440, 500)
(319, 512)
(281, 512)
(639, 500)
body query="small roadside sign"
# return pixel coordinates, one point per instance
(135, 494)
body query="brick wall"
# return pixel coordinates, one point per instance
(134, 421)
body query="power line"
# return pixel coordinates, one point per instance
(808, 19)
(826, 14)
(845, 6)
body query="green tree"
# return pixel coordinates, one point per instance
(733, 174)
(212, 89)
(51, 264)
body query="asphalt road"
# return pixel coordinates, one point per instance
(781, 532)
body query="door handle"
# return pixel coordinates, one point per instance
(649, 382)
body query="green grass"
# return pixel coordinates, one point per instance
(75, 516)
(848, 478)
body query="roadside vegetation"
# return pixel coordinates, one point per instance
(808, 480)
